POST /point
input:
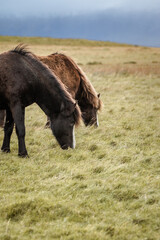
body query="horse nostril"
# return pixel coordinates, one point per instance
(86, 124)
(96, 125)
(73, 146)
(64, 147)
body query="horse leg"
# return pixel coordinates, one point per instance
(2, 115)
(8, 129)
(18, 115)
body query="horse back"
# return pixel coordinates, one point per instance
(64, 69)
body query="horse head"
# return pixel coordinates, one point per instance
(62, 125)
(90, 113)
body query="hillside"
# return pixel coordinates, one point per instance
(57, 41)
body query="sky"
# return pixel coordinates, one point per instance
(46, 8)
(125, 21)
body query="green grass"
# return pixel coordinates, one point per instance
(108, 187)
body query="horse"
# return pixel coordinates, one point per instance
(24, 79)
(2, 116)
(78, 85)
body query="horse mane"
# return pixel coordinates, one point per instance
(77, 116)
(22, 50)
(88, 93)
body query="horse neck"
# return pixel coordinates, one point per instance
(49, 98)
(49, 91)
(81, 95)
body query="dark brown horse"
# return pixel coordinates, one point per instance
(2, 116)
(25, 80)
(77, 84)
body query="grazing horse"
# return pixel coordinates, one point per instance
(2, 116)
(25, 80)
(77, 85)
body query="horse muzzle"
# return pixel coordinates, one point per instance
(65, 146)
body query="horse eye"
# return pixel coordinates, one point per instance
(72, 123)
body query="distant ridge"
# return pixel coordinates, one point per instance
(59, 41)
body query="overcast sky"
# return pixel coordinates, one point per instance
(20, 8)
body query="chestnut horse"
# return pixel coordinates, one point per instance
(24, 79)
(77, 85)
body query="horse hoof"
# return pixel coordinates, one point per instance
(6, 150)
(23, 155)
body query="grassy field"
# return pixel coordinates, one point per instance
(109, 186)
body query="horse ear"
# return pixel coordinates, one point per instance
(62, 107)
(74, 106)
(98, 95)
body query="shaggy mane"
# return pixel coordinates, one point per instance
(21, 49)
(77, 115)
(88, 93)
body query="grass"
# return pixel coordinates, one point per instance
(108, 187)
